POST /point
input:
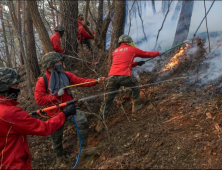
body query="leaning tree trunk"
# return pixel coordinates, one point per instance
(105, 25)
(31, 49)
(19, 27)
(118, 27)
(19, 36)
(86, 11)
(183, 25)
(40, 27)
(9, 62)
(70, 15)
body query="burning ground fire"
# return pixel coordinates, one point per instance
(174, 60)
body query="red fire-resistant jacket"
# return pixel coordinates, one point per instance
(82, 33)
(15, 124)
(56, 44)
(43, 97)
(123, 58)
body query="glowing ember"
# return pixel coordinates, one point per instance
(174, 60)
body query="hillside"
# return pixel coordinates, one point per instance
(179, 127)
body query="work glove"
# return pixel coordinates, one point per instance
(140, 63)
(99, 80)
(69, 110)
(60, 92)
(161, 53)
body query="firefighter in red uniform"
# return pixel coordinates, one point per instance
(121, 75)
(16, 124)
(55, 79)
(83, 36)
(56, 44)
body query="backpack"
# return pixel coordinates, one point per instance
(46, 82)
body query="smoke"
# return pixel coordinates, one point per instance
(211, 69)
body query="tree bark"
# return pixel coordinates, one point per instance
(118, 27)
(31, 49)
(18, 5)
(60, 9)
(70, 15)
(177, 10)
(9, 62)
(56, 13)
(40, 27)
(86, 11)
(23, 22)
(104, 29)
(183, 25)
(99, 17)
(19, 36)
(52, 15)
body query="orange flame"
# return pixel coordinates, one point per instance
(174, 60)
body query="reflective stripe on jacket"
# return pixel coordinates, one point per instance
(15, 124)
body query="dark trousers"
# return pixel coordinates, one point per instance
(57, 136)
(113, 84)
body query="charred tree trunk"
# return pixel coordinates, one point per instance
(118, 27)
(18, 5)
(100, 17)
(70, 15)
(19, 36)
(40, 27)
(31, 49)
(183, 25)
(9, 62)
(177, 10)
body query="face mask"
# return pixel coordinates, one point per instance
(13, 93)
(58, 67)
(61, 33)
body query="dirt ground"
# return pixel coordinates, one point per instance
(179, 126)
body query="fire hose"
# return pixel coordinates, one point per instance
(63, 105)
(77, 128)
(171, 48)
